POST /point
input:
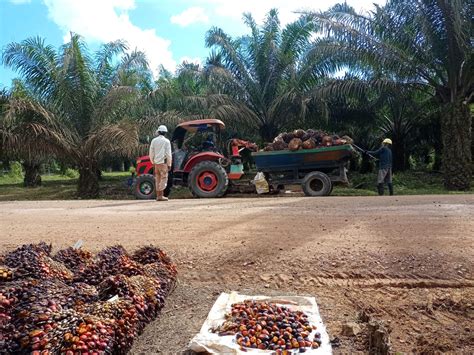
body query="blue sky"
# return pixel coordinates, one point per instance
(169, 31)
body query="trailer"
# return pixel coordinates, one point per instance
(316, 170)
(212, 170)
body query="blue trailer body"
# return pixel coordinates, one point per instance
(315, 169)
(306, 159)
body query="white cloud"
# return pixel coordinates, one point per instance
(286, 9)
(20, 2)
(108, 20)
(190, 16)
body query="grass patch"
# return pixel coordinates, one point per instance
(60, 187)
(349, 191)
(114, 186)
(404, 183)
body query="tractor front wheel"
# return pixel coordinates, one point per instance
(208, 180)
(144, 187)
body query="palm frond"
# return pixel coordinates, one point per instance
(104, 57)
(35, 62)
(116, 139)
(78, 87)
(113, 105)
(148, 124)
(29, 121)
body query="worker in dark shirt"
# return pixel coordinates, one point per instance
(384, 155)
(208, 144)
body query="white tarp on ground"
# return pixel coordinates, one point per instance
(205, 340)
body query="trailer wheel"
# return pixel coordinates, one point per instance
(208, 180)
(316, 183)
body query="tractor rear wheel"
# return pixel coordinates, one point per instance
(208, 180)
(316, 183)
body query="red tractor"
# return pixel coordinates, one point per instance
(198, 161)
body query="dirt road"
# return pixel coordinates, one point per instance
(406, 262)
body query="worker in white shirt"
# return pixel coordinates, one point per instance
(160, 156)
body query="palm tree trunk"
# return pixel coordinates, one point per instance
(99, 174)
(400, 159)
(438, 158)
(32, 176)
(88, 186)
(456, 136)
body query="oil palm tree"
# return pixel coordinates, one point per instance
(402, 117)
(17, 138)
(425, 44)
(171, 90)
(261, 79)
(80, 104)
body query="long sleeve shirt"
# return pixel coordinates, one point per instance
(385, 157)
(160, 151)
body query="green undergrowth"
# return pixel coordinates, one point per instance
(114, 186)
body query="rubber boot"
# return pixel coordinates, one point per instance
(160, 197)
(380, 189)
(390, 189)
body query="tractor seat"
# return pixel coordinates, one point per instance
(179, 159)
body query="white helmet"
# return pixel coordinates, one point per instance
(162, 128)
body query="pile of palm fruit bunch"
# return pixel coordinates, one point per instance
(309, 139)
(73, 302)
(110, 261)
(268, 326)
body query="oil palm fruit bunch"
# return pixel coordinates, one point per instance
(110, 261)
(142, 291)
(33, 260)
(152, 255)
(278, 138)
(43, 311)
(111, 325)
(309, 144)
(299, 133)
(295, 144)
(306, 136)
(76, 259)
(71, 304)
(117, 258)
(287, 137)
(280, 145)
(310, 139)
(268, 147)
(267, 326)
(166, 275)
(90, 335)
(327, 141)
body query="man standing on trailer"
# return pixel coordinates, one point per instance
(384, 154)
(160, 156)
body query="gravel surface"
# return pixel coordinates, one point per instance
(402, 264)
